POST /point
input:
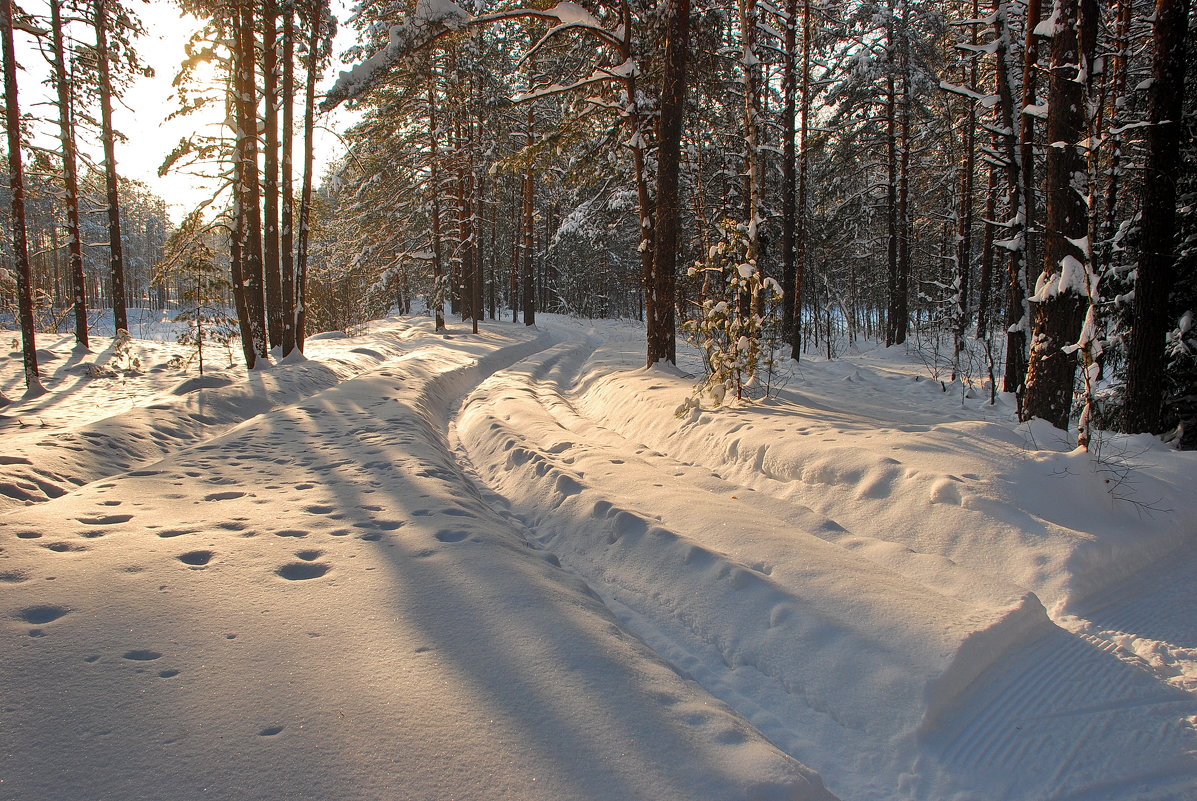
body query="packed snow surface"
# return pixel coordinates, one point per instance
(498, 566)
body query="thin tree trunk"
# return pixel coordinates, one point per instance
(270, 168)
(985, 290)
(1026, 138)
(802, 226)
(287, 236)
(964, 213)
(438, 270)
(66, 130)
(788, 169)
(1157, 261)
(529, 232)
(305, 200)
(891, 204)
(111, 180)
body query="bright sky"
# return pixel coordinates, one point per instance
(147, 102)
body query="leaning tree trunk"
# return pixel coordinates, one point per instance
(70, 178)
(662, 338)
(1145, 373)
(16, 178)
(111, 180)
(1061, 290)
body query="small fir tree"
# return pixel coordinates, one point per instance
(191, 261)
(738, 308)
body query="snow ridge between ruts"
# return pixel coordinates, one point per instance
(860, 653)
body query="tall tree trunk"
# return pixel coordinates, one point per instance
(964, 212)
(438, 269)
(529, 231)
(1016, 160)
(802, 227)
(66, 132)
(905, 232)
(891, 203)
(305, 199)
(270, 168)
(16, 178)
(1026, 138)
(985, 288)
(1060, 291)
(1157, 261)
(111, 180)
(287, 235)
(662, 338)
(788, 169)
(249, 186)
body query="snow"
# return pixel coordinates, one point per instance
(417, 565)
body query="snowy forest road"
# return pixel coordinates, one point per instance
(498, 566)
(316, 605)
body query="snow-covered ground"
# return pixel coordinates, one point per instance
(499, 566)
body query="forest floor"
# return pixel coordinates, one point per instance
(500, 566)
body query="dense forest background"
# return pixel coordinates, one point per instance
(1007, 188)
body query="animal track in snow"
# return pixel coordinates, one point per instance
(168, 674)
(270, 731)
(28, 535)
(13, 576)
(290, 532)
(301, 571)
(309, 555)
(451, 535)
(318, 509)
(142, 655)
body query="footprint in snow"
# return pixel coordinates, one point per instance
(141, 655)
(41, 613)
(64, 547)
(224, 496)
(196, 558)
(270, 731)
(104, 520)
(301, 571)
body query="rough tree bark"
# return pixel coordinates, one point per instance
(1145, 373)
(1060, 291)
(111, 179)
(16, 178)
(70, 176)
